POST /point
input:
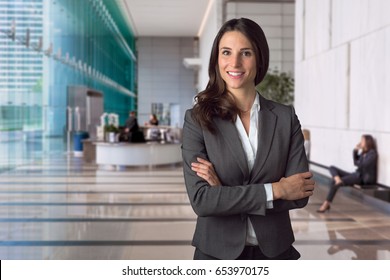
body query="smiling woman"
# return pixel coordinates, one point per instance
(237, 65)
(241, 194)
(236, 38)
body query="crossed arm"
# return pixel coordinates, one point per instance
(293, 187)
(210, 196)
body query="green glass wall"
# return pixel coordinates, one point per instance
(46, 45)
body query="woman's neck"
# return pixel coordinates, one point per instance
(244, 99)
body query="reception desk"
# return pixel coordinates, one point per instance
(119, 155)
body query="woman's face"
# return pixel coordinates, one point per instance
(236, 61)
(363, 144)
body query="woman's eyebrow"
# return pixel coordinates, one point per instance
(242, 49)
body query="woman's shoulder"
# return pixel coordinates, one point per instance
(372, 152)
(188, 113)
(189, 116)
(276, 107)
(273, 104)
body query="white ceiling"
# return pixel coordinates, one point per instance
(177, 18)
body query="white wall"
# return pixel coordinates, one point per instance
(206, 39)
(162, 77)
(341, 85)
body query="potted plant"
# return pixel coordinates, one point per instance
(110, 131)
(277, 86)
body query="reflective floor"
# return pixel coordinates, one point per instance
(64, 208)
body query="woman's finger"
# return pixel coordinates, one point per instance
(203, 161)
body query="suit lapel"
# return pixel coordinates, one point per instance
(266, 131)
(230, 134)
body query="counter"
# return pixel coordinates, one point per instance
(123, 154)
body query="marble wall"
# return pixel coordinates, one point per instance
(342, 90)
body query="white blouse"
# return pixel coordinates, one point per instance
(249, 143)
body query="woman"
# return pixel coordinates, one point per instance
(153, 119)
(244, 161)
(365, 158)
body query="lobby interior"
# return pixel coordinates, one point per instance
(63, 208)
(58, 206)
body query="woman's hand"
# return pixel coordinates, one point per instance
(205, 170)
(294, 187)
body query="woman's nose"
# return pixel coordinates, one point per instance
(235, 60)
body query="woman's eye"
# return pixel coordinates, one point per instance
(246, 53)
(225, 52)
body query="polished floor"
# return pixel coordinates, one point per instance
(64, 208)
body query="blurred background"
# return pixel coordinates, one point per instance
(63, 63)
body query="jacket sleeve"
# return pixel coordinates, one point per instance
(297, 163)
(356, 157)
(217, 200)
(367, 160)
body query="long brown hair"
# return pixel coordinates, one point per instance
(215, 100)
(370, 142)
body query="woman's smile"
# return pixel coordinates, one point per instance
(237, 62)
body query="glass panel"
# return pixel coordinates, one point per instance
(47, 45)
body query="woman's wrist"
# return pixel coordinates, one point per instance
(276, 190)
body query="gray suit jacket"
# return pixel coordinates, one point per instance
(223, 211)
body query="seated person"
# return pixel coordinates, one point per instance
(365, 159)
(153, 120)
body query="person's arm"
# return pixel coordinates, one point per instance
(205, 170)
(356, 157)
(297, 163)
(207, 200)
(278, 190)
(368, 159)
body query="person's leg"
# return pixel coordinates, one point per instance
(334, 171)
(325, 206)
(351, 179)
(332, 192)
(338, 174)
(346, 179)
